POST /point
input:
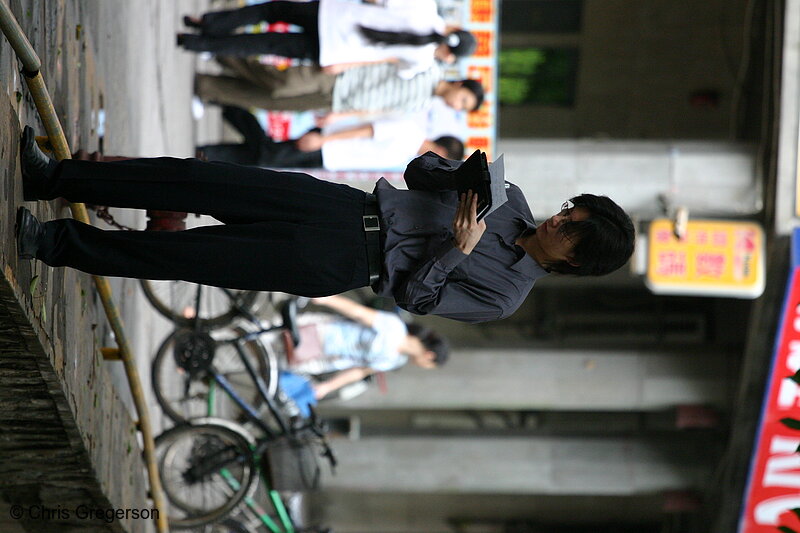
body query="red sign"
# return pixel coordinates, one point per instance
(774, 486)
(481, 118)
(484, 74)
(485, 43)
(278, 125)
(481, 11)
(477, 143)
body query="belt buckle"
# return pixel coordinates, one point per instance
(371, 223)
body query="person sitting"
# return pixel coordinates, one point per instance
(359, 341)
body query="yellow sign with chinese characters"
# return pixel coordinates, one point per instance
(714, 258)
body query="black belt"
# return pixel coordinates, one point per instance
(372, 231)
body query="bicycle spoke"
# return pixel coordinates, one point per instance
(206, 471)
(177, 301)
(183, 396)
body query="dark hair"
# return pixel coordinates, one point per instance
(432, 341)
(461, 43)
(475, 87)
(604, 241)
(452, 145)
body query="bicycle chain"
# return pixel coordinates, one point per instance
(102, 213)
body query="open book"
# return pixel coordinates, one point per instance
(485, 179)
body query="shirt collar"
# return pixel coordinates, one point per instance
(527, 266)
(523, 226)
(383, 183)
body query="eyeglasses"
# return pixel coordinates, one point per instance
(566, 210)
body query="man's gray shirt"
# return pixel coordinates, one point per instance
(426, 274)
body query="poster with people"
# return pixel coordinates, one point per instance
(473, 128)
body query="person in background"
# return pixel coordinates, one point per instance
(365, 91)
(385, 144)
(337, 34)
(359, 341)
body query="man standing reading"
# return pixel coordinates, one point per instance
(290, 232)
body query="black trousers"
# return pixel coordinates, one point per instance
(258, 149)
(218, 27)
(283, 231)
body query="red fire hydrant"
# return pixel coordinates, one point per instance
(156, 220)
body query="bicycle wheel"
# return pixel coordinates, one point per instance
(206, 470)
(176, 300)
(184, 396)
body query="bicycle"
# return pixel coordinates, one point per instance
(210, 466)
(192, 363)
(183, 302)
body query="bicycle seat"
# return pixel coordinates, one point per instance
(289, 317)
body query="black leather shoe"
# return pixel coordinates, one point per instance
(36, 166)
(192, 22)
(29, 233)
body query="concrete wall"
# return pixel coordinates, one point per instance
(66, 438)
(556, 380)
(711, 178)
(640, 61)
(524, 465)
(368, 512)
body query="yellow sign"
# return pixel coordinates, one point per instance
(715, 258)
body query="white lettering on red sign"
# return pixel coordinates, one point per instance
(768, 512)
(774, 488)
(783, 465)
(789, 391)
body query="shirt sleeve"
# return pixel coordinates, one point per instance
(389, 325)
(429, 291)
(387, 129)
(407, 69)
(431, 172)
(391, 332)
